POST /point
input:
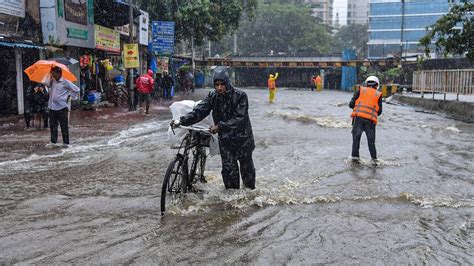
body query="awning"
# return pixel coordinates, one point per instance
(21, 45)
(111, 13)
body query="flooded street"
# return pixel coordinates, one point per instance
(98, 200)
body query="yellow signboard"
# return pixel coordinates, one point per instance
(107, 39)
(131, 55)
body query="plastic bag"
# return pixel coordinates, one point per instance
(182, 108)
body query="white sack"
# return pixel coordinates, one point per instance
(182, 108)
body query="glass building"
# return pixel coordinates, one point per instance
(396, 26)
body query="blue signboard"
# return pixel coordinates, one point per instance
(163, 37)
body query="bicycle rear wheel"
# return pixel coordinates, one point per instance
(174, 183)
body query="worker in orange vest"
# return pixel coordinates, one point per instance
(272, 87)
(318, 83)
(367, 106)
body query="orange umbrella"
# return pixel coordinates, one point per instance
(40, 71)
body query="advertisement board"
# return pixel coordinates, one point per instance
(162, 64)
(131, 55)
(106, 39)
(143, 28)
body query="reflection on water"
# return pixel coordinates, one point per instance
(311, 205)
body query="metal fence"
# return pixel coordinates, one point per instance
(459, 81)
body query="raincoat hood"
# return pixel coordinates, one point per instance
(150, 72)
(223, 76)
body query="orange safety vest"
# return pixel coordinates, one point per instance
(367, 105)
(318, 80)
(271, 84)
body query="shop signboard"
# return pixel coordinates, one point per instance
(163, 37)
(131, 55)
(13, 7)
(76, 11)
(143, 27)
(106, 39)
(77, 33)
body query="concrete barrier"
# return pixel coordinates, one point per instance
(463, 111)
(386, 89)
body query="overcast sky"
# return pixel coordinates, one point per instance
(341, 7)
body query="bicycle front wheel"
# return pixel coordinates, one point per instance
(174, 183)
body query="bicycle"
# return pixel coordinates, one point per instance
(178, 180)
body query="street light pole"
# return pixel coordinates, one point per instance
(131, 106)
(401, 29)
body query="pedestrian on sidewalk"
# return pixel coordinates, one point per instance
(272, 87)
(367, 106)
(39, 105)
(229, 108)
(145, 87)
(61, 90)
(167, 85)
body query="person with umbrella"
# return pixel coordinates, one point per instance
(59, 79)
(62, 90)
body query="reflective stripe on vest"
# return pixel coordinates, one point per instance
(366, 106)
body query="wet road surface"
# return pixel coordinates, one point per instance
(98, 200)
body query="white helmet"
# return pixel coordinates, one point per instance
(372, 79)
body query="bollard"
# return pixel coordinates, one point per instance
(394, 89)
(384, 91)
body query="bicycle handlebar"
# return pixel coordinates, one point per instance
(199, 129)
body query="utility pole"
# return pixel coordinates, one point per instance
(235, 43)
(131, 106)
(401, 30)
(192, 57)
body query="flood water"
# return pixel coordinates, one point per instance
(98, 201)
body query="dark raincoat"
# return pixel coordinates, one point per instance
(236, 142)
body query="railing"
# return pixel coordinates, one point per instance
(460, 81)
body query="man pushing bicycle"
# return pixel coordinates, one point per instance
(229, 108)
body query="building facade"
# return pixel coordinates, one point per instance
(357, 12)
(322, 9)
(20, 46)
(396, 26)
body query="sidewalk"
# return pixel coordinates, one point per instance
(440, 96)
(84, 126)
(462, 110)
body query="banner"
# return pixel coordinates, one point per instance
(13, 7)
(131, 55)
(107, 39)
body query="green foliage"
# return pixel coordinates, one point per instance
(353, 36)
(449, 37)
(285, 28)
(200, 19)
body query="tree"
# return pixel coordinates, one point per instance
(353, 36)
(284, 28)
(200, 19)
(450, 38)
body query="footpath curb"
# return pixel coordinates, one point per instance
(463, 111)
